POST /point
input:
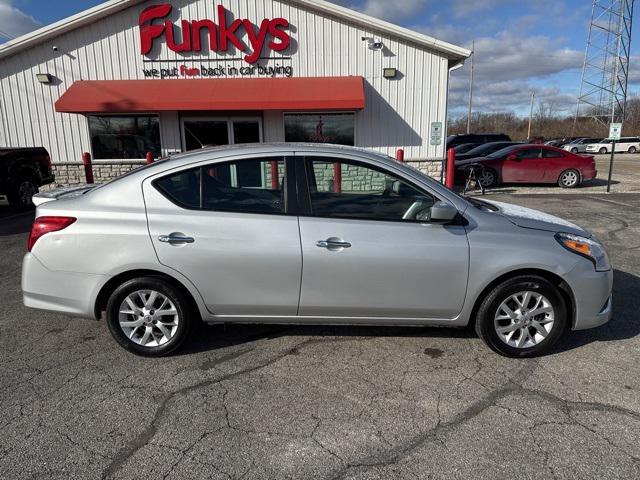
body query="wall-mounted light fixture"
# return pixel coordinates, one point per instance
(373, 44)
(45, 78)
(390, 72)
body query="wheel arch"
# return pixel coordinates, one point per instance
(555, 279)
(109, 287)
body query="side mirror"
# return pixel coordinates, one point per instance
(443, 212)
(512, 156)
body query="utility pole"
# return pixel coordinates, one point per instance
(533, 95)
(473, 54)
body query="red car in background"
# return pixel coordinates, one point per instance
(530, 164)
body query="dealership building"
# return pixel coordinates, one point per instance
(130, 77)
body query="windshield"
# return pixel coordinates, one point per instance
(503, 151)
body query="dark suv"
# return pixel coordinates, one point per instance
(454, 140)
(22, 172)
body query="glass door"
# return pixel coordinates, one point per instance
(200, 132)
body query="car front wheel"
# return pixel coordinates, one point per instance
(522, 317)
(632, 150)
(574, 150)
(603, 150)
(488, 178)
(569, 179)
(149, 316)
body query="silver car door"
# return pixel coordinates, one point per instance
(369, 249)
(224, 226)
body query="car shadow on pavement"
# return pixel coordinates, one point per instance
(626, 317)
(212, 337)
(14, 222)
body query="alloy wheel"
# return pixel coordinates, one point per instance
(148, 318)
(524, 319)
(486, 178)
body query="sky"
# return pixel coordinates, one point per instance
(520, 46)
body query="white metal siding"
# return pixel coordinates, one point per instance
(398, 113)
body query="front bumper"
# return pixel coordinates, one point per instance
(55, 291)
(592, 293)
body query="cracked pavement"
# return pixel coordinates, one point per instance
(289, 402)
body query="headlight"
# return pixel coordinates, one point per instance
(587, 247)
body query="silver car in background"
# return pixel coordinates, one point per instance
(308, 234)
(580, 145)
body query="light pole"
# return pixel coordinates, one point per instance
(473, 54)
(533, 95)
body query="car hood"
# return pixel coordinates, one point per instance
(468, 161)
(537, 220)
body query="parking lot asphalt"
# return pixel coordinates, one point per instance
(293, 402)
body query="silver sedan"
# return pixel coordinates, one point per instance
(297, 233)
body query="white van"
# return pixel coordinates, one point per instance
(625, 144)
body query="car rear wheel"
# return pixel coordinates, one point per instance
(488, 178)
(603, 150)
(21, 192)
(149, 316)
(632, 150)
(522, 317)
(569, 179)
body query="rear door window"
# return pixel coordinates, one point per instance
(248, 186)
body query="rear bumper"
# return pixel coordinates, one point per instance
(61, 292)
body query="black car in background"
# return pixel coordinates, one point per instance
(480, 138)
(465, 147)
(484, 150)
(22, 172)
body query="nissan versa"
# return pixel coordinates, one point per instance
(298, 233)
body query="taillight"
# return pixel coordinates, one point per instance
(44, 225)
(45, 162)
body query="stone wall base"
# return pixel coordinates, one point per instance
(73, 173)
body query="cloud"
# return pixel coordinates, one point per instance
(396, 12)
(14, 22)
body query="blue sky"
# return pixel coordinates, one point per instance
(520, 46)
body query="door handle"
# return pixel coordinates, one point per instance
(175, 239)
(333, 243)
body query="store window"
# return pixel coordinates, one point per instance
(338, 128)
(124, 137)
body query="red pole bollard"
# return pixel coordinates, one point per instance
(337, 177)
(149, 157)
(400, 155)
(451, 168)
(275, 181)
(88, 169)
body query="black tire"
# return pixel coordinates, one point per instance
(632, 150)
(603, 150)
(488, 178)
(21, 190)
(574, 150)
(185, 313)
(569, 179)
(485, 320)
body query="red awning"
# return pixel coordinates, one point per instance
(316, 93)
